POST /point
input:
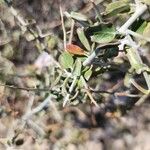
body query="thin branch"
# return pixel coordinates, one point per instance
(139, 11)
(18, 17)
(63, 27)
(42, 105)
(90, 58)
(136, 35)
(91, 98)
(75, 95)
(142, 100)
(147, 79)
(101, 91)
(36, 128)
(38, 108)
(41, 34)
(88, 92)
(30, 102)
(139, 87)
(127, 94)
(26, 118)
(116, 93)
(71, 31)
(28, 109)
(70, 90)
(24, 88)
(128, 41)
(93, 55)
(66, 99)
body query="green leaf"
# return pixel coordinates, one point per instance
(51, 41)
(146, 32)
(127, 79)
(104, 35)
(142, 27)
(81, 82)
(117, 7)
(83, 39)
(78, 16)
(135, 61)
(66, 60)
(88, 74)
(64, 86)
(77, 68)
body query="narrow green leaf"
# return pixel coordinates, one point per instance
(66, 60)
(64, 86)
(105, 35)
(83, 38)
(135, 61)
(117, 7)
(142, 27)
(88, 74)
(77, 68)
(146, 31)
(81, 82)
(78, 16)
(127, 78)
